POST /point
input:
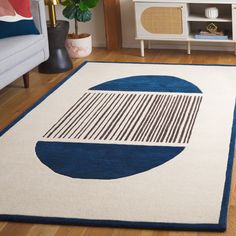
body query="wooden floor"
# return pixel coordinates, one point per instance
(14, 99)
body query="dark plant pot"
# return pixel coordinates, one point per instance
(59, 60)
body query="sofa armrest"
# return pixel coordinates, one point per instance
(38, 12)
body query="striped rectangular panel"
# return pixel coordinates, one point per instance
(124, 117)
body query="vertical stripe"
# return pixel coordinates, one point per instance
(158, 120)
(173, 125)
(103, 116)
(95, 116)
(89, 115)
(66, 115)
(185, 126)
(63, 125)
(193, 103)
(114, 118)
(180, 119)
(124, 117)
(193, 120)
(144, 121)
(119, 119)
(135, 121)
(112, 113)
(80, 116)
(153, 117)
(129, 115)
(162, 132)
(144, 97)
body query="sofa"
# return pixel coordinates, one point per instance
(20, 54)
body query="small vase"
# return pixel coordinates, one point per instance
(211, 12)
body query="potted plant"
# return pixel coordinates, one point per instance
(78, 45)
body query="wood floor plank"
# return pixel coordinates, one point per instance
(42, 230)
(2, 225)
(15, 229)
(14, 100)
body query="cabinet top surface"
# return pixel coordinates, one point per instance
(190, 1)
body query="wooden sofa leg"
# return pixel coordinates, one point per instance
(26, 80)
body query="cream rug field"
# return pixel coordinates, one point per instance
(125, 145)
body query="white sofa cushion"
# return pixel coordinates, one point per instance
(16, 49)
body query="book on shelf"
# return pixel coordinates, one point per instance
(214, 35)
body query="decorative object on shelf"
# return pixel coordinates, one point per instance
(211, 12)
(215, 35)
(52, 11)
(212, 28)
(78, 45)
(211, 33)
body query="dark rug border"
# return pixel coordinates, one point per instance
(221, 226)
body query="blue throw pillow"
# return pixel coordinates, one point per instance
(16, 18)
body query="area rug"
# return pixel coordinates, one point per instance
(124, 145)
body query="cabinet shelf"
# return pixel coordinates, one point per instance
(198, 18)
(192, 38)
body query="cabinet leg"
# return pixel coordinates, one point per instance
(189, 48)
(142, 48)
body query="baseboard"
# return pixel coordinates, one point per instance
(99, 44)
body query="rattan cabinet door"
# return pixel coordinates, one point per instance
(160, 21)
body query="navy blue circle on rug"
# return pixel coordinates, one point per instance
(112, 161)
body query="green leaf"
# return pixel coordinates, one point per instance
(78, 9)
(70, 11)
(83, 6)
(90, 3)
(83, 16)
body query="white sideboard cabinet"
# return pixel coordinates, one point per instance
(182, 20)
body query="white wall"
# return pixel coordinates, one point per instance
(97, 29)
